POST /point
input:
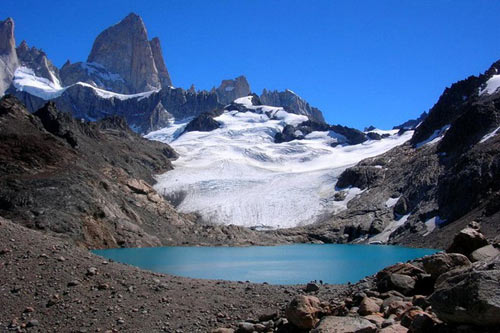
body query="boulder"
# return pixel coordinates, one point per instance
(311, 286)
(467, 241)
(334, 324)
(368, 306)
(484, 253)
(405, 284)
(304, 311)
(440, 263)
(471, 297)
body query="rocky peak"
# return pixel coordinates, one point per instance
(8, 56)
(291, 102)
(160, 63)
(229, 90)
(124, 49)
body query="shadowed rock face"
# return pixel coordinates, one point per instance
(8, 56)
(124, 49)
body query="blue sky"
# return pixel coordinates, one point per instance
(360, 62)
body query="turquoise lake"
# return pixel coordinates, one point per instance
(287, 264)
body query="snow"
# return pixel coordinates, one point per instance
(26, 80)
(435, 137)
(391, 202)
(492, 85)
(490, 135)
(109, 94)
(432, 223)
(236, 174)
(229, 88)
(381, 132)
(99, 70)
(383, 237)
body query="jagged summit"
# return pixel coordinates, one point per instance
(291, 102)
(229, 90)
(8, 56)
(128, 41)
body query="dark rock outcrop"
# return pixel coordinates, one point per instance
(8, 55)
(292, 103)
(412, 123)
(204, 122)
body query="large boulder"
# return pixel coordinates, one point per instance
(400, 282)
(335, 324)
(440, 263)
(467, 241)
(471, 297)
(304, 311)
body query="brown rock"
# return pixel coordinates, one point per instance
(440, 263)
(466, 241)
(368, 306)
(304, 311)
(160, 63)
(223, 330)
(376, 319)
(8, 55)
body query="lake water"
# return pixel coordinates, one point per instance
(287, 264)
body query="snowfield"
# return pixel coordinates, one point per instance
(237, 174)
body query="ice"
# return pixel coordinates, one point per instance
(26, 80)
(490, 135)
(492, 85)
(236, 174)
(436, 136)
(109, 94)
(99, 70)
(432, 223)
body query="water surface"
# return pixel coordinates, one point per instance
(286, 264)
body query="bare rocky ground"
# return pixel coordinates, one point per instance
(51, 285)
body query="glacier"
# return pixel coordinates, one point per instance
(236, 174)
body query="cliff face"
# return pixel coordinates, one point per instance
(165, 80)
(37, 60)
(8, 55)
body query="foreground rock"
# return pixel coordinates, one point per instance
(334, 324)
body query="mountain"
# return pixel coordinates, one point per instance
(8, 55)
(125, 74)
(429, 188)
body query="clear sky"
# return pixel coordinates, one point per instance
(361, 62)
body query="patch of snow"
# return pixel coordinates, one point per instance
(490, 135)
(383, 237)
(391, 202)
(436, 136)
(492, 85)
(236, 174)
(26, 80)
(230, 88)
(432, 223)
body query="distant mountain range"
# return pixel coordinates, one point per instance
(125, 74)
